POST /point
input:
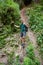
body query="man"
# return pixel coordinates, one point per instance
(24, 29)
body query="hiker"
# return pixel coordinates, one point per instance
(23, 29)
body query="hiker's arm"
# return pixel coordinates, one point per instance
(17, 26)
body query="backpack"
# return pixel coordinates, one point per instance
(26, 28)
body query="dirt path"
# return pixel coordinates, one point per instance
(31, 37)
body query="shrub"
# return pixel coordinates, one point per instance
(30, 51)
(28, 61)
(37, 62)
(2, 43)
(9, 12)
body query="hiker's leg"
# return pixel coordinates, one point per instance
(21, 35)
(24, 36)
(23, 39)
(23, 42)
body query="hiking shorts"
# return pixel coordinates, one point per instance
(23, 34)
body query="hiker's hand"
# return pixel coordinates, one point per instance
(17, 26)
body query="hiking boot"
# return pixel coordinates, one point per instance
(23, 45)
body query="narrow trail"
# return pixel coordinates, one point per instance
(33, 39)
(31, 36)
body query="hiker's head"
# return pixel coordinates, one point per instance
(22, 20)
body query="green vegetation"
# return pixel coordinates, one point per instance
(30, 56)
(10, 58)
(28, 61)
(36, 23)
(30, 51)
(1, 64)
(9, 17)
(41, 2)
(9, 14)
